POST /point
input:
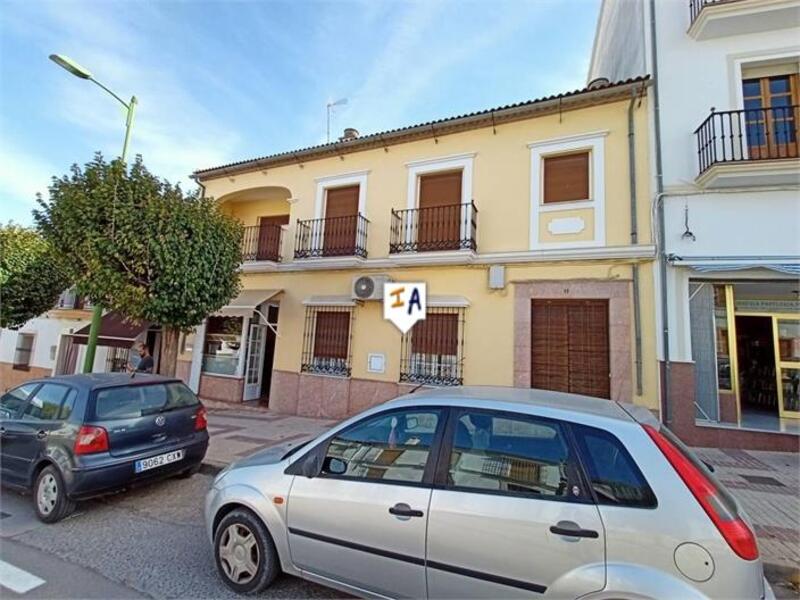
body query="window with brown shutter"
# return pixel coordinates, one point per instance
(432, 350)
(326, 342)
(22, 353)
(439, 219)
(566, 177)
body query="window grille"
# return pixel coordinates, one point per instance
(326, 340)
(432, 352)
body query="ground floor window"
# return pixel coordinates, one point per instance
(222, 346)
(326, 340)
(117, 360)
(432, 352)
(22, 353)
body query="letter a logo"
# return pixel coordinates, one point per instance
(404, 304)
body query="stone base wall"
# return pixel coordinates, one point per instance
(11, 377)
(224, 389)
(328, 397)
(682, 393)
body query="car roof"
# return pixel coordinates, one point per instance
(93, 381)
(493, 395)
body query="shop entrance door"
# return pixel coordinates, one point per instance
(756, 362)
(786, 333)
(254, 364)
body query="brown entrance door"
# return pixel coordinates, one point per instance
(341, 220)
(569, 346)
(269, 237)
(439, 218)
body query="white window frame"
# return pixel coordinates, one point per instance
(358, 178)
(594, 143)
(440, 164)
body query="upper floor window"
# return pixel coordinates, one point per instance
(22, 354)
(771, 106)
(566, 177)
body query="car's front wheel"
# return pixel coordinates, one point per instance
(50, 496)
(245, 553)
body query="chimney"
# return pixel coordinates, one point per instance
(349, 134)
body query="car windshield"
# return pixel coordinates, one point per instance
(130, 402)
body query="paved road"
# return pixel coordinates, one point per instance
(150, 542)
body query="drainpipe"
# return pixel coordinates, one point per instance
(666, 408)
(637, 314)
(199, 184)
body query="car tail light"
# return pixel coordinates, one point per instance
(90, 440)
(720, 509)
(201, 419)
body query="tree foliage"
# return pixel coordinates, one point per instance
(137, 244)
(30, 276)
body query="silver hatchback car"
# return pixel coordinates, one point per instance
(483, 492)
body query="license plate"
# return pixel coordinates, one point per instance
(158, 461)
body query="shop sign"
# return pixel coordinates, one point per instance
(768, 306)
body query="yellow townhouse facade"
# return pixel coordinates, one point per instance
(530, 225)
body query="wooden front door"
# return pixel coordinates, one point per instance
(269, 237)
(569, 346)
(439, 217)
(341, 221)
(771, 115)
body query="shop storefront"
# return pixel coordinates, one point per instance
(746, 347)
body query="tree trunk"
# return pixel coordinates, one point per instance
(169, 351)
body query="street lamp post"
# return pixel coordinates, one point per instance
(130, 106)
(330, 105)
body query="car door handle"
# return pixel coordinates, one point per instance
(41, 434)
(404, 510)
(572, 529)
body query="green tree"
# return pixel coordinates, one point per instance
(30, 276)
(137, 244)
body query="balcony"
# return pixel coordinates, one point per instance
(262, 243)
(434, 229)
(70, 300)
(331, 237)
(753, 147)
(718, 18)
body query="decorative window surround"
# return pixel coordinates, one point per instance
(344, 179)
(593, 142)
(442, 163)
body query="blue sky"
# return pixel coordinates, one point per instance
(224, 81)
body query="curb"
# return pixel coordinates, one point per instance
(210, 469)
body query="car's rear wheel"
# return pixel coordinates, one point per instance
(50, 496)
(245, 553)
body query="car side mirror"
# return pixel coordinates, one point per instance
(334, 466)
(308, 465)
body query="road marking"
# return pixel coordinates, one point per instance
(17, 580)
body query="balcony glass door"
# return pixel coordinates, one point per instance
(787, 359)
(770, 105)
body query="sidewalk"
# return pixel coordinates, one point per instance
(766, 483)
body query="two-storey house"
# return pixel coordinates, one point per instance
(726, 166)
(529, 223)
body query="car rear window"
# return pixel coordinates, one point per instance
(130, 402)
(613, 474)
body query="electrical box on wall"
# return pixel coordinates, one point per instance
(497, 277)
(376, 363)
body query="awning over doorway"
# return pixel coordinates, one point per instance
(115, 330)
(789, 269)
(246, 302)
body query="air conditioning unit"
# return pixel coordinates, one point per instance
(369, 287)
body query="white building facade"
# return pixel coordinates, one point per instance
(727, 168)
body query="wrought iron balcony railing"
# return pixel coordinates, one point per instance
(447, 227)
(748, 134)
(697, 6)
(262, 242)
(333, 236)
